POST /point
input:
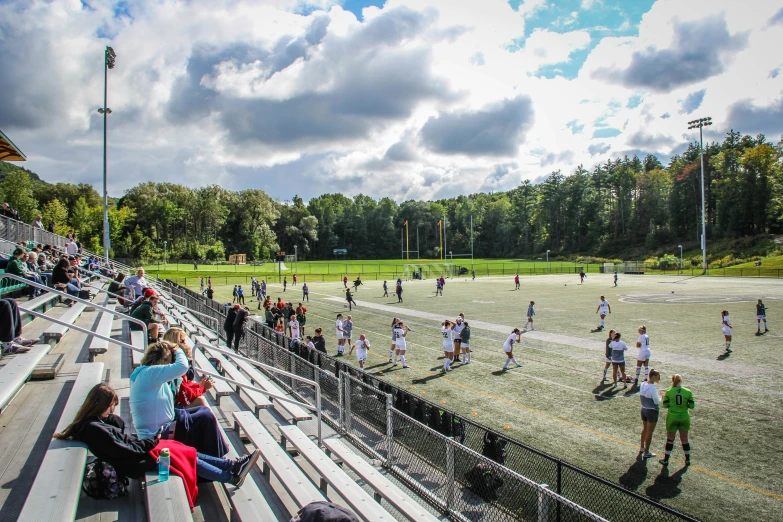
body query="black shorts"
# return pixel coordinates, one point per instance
(649, 415)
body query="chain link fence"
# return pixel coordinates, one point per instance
(464, 468)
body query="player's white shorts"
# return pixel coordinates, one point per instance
(401, 345)
(361, 354)
(508, 349)
(761, 317)
(465, 344)
(727, 331)
(448, 347)
(644, 355)
(339, 334)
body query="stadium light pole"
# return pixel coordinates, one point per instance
(296, 257)
(680, 247)
(108, 63)
(165, 243)
(547, 261)
(700, 124)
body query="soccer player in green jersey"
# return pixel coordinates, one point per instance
(761, 315)
(678, 401)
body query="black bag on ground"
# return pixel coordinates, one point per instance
(101, 481)
(484, 481)
(85, 294)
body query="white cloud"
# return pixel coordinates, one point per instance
(416, 100)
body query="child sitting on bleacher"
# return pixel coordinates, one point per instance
(103, 432)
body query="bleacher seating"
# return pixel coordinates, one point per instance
(221, 388)
(331, 474)
(97, 345)
(17, 371)
(54, 495)
(8, 285)
(255, 400)
(55, 331)
(166, 501)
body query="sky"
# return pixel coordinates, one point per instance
(408, 99)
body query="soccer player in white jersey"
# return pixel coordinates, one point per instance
(618, 359)
(393, 339)
(338, 326)
(651, 403)
(603, 309)
(643, 359)
(293, 326)
(726, 327)
(508, 347)
(401, 332)
(458, 326)
(531, 311)
(362, 345)
(446, 330)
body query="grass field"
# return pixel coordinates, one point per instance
(556, 401)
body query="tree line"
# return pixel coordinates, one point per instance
(621, 204)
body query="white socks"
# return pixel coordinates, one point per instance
(467, 357)
(447, 364)
(602, 323)
(508, 360)
(402, 358)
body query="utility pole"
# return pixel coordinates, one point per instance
(700, 124)
(471, 241)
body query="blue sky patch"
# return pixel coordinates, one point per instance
(634, 101)
(356, 6)
(607, 132)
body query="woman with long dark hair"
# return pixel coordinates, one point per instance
(103, 432)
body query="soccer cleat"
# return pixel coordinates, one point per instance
(650, 455)
(664, 462)
(390, 360)
(687, 461)
(406, 366)
(766, 330)
(519, 365)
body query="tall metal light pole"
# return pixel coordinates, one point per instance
(547, 261)
(680, 247)
(700, 124)
(296, 258)
(108, 63)
(165, 243)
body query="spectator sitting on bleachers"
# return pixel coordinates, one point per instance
(137, 283)
(145, 312)
(118, 289)
(152, 402)
(187, 393)
(71, 248)
(33, 268)
(11, 328)
(18, 266)
(103, 432)
(62, 279)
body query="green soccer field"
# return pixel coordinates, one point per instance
(556, 401)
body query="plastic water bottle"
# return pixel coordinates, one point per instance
(164, 464)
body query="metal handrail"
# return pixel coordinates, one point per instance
(316, 408)
(72, 298)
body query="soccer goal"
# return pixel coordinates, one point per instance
(428, 270)
(290, 259)
(608, 268)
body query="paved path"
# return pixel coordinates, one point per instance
(701, 363)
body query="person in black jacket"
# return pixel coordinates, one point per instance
(319, 341)
(239, 326)
(103, 432)
(62, 280)
(228, 325)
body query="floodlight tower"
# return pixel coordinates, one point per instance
(108, 63)
(700, 124)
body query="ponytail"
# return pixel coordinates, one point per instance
(676, 379)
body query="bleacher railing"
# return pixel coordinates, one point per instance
(16, 231)
(407, 434)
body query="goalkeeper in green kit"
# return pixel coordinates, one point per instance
(679, 401)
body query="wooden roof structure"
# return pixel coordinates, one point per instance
(9, 151)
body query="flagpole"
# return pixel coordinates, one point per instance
(440, 239)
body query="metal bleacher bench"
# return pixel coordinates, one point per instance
(99, 346)
(56, 331)
(17, 371)
(256, 400)
(333, 475)
(383, 487)
(166, 501)
(220, 387)
(276, 460)
(137, 340)
(297, 413)
(39, 304)
(54, 495)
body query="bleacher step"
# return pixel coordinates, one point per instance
(48, 367)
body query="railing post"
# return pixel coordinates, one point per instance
(543, 504)
(451, 486)
(389, 431)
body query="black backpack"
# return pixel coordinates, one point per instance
(101, 481)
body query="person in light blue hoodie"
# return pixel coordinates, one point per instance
(152, 402)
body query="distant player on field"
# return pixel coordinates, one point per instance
(465, 342)
(581, 276)
(726, 328)
(349, 299)
(761, 314)
(338, 324)
(447, 332)
(385, 289)
(679, 401)
(362, 345)
(508, 347)
(531, 311)
(401, 332)
(643, 359)
(608, 354)
(458, 327)
(516, 282)
(393, 338)
(603, 309)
